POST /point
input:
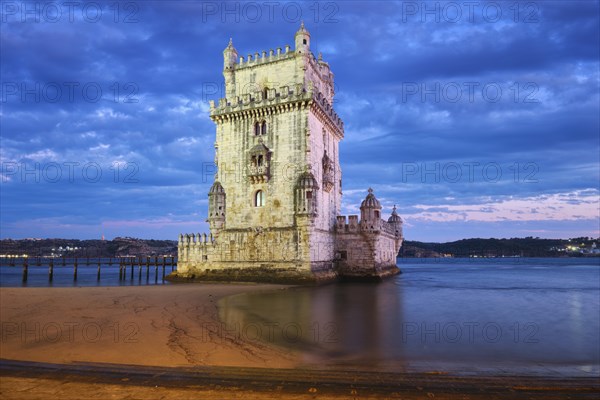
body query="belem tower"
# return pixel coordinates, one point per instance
(274, 205)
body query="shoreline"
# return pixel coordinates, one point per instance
(216, 382)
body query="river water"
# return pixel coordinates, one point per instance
(503, 315)
(525, 316)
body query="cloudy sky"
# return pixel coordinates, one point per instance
(478, 119)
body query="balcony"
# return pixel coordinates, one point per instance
(258, 173)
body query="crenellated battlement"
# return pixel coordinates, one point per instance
(273, 55)
(195, 239)
(353, 226)
(264, 57)
(284, 95)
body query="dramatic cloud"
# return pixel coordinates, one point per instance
(475, 118)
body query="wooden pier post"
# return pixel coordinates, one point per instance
(132, 266)
(120, 270)
(51, 270)
(172, 263)
(163, 266)
(75, 270)
(147, 268)
(140, 264)
(98, 269)
(25, 270)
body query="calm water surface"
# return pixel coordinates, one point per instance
(538, 316)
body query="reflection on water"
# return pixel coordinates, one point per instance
(521, 315)
(342, 321)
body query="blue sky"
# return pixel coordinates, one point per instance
(478, 119)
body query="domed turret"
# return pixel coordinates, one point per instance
(370, 211)
(216, 188)
(216, 208)
(396, 222)
(230, 56)
(302, 39)
(370, 201)
(394, 218)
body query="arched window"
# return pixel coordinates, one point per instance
(257, 129)
(259, 198)
(264, 128)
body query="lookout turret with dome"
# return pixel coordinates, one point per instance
(274, 206)
(370, 211)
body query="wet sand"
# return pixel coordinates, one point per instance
(167, 341)
(175, 325)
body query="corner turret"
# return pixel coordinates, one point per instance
(370, 211)
(230, 57)
(216, 208)
(302, 40)
(396, 222)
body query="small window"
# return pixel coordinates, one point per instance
(260, 161)
(264, 128)
(256, 129)
(303, 41)
(343, 255)
(309, 194)
(259, 199)
(376, 214)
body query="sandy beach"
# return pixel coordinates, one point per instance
(175, 325)
(167, 341)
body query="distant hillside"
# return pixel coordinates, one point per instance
(126, 246)
(522, 247)
(120, 246)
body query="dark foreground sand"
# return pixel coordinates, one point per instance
(164, 342)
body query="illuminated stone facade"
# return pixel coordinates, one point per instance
(275, 202)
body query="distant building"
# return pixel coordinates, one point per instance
(275, 202)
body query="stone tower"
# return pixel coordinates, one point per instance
(274, 204)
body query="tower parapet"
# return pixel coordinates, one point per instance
(278, 100)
